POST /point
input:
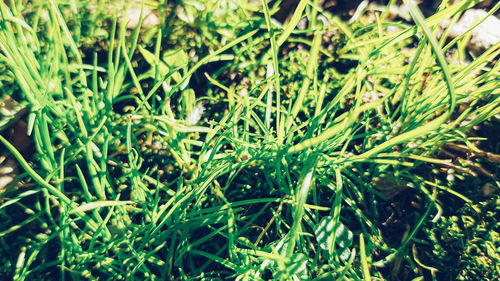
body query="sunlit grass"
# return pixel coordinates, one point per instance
(300, 136)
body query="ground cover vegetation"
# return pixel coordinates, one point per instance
(223, 144)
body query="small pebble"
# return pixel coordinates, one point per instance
(484, 35)
(488, 189)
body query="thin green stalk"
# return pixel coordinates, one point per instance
(273, 70)
(301, 197)
(297, 15)
(362, 254)
(56, 192)
(311, 66)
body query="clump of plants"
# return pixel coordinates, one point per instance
(223, 144)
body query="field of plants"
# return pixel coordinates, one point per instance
(249, 140)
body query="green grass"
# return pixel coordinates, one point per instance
(317, 154)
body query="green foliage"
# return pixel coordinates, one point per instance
(465, 245)
(221, 144)
(325, 232)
